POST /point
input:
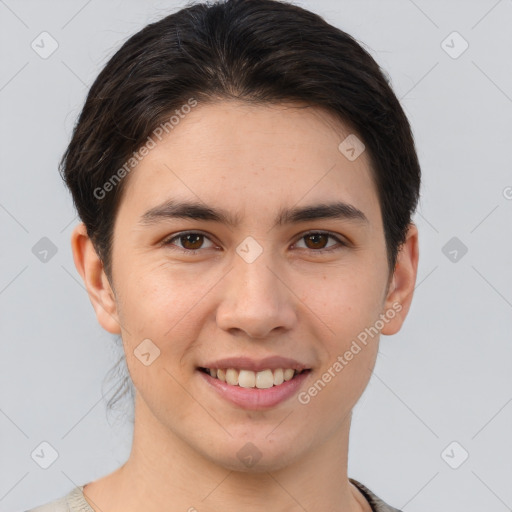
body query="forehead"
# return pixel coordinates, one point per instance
(251, 157)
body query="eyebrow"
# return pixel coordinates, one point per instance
(173, 209)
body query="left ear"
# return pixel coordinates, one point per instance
(401, 288)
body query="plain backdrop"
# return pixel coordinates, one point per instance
(433, 429)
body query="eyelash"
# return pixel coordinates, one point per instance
(168, 241)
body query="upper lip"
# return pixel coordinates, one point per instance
(256, 365)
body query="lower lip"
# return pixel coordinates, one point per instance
(254, 398)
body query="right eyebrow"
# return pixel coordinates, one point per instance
(197, 211)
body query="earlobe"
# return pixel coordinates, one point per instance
(90, 267)
(401, 289)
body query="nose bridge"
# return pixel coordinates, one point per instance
(258, 278)
(255, 300)
(253, 279)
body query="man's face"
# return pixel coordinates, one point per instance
(254, 289)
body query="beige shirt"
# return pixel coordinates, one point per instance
(75, 501)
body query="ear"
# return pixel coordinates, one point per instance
(401, 288)
(90, 267)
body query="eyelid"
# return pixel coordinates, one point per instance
(167, 241)
(340, 240)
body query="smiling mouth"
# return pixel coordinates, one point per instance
(248, 379)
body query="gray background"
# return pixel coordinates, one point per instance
(445, 377)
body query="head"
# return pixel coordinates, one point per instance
(272, 144)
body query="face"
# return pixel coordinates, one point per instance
(255, 272)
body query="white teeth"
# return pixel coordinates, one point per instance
(264, 379)
(288, 374)
(232, 376)
(248, 379)
(278, 377)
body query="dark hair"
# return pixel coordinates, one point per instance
(258, 51)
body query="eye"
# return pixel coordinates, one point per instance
(316, 241)
(191, 241)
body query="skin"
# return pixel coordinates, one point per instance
(291, 301)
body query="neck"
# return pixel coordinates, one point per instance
(163, 470)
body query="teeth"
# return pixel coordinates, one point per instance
(264, 379)
(246, 379)
(249, 379)
(278, 376)
(232, 376)
(288, 374)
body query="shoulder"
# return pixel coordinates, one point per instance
(59, 505)
(74, 501)
(375, 502)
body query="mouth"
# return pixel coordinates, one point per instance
(252, 383)
(245, 389)
(264, 379)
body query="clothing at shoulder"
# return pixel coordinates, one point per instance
(75, 501)
(375, 502)
(72, 502)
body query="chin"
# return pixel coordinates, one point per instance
(262, 466)
(258, 456)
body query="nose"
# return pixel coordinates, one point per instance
(256, 299)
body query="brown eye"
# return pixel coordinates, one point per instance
(317, 241)
(188, 242)
(192, 241)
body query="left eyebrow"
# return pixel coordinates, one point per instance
(197, 211)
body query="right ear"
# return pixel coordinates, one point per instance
(90, 267)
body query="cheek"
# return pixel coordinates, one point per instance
(346, 299)
(159, 296)
(162, 307)
(160, 321)
(349, 345)
(348, 304)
